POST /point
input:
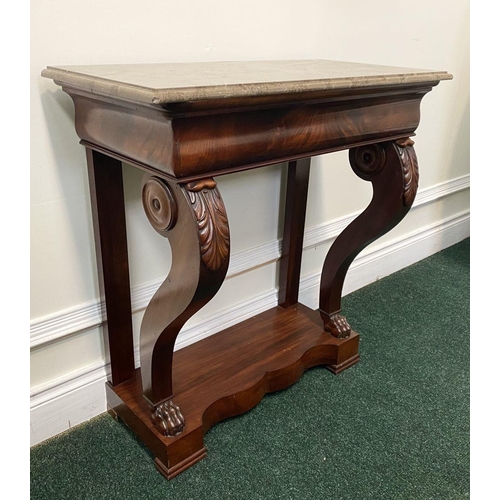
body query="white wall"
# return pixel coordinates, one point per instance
(67, 356)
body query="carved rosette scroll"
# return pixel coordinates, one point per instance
(367, 161)
(159, 204)
(211, 217)
(409, 164)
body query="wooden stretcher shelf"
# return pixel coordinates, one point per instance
(228, 374)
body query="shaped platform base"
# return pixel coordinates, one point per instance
(229, 373)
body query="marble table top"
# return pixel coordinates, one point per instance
(179, 82)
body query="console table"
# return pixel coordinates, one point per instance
(184, 124)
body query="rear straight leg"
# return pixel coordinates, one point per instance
(293, 231)
(108, 213)
(290, 263)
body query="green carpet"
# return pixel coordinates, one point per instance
(395, 426)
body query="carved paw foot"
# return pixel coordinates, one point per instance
(168, 419)
(338, 326)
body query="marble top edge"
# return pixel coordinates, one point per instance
(177, 82)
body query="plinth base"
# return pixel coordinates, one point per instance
(228, 374)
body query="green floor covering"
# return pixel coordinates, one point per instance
(395, 426)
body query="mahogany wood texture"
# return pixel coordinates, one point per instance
(110, 235)
(228, 374)
(198, 139)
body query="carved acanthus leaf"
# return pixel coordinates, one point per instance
(213, 226)
(410, 170)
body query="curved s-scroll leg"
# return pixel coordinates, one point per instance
(192, 216)
(392, 169)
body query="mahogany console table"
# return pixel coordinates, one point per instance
(184, 124)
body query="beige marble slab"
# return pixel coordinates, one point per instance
(177, 82)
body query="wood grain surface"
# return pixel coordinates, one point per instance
(229, 373)
(191, 140)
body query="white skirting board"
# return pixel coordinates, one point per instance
(79, 396)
